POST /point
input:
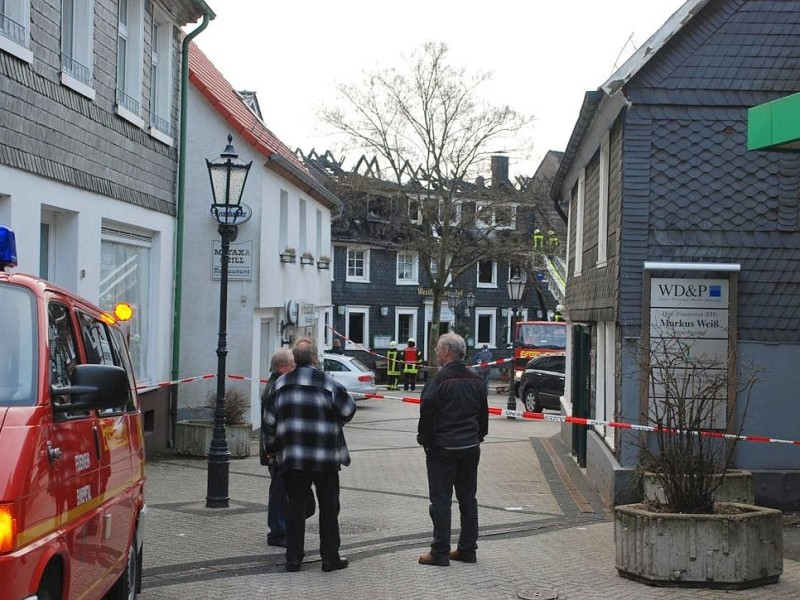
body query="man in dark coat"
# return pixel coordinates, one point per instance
(453, 421)
(305, 415)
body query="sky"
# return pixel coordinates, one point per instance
(543, 55)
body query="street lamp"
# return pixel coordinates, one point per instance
(454, 301)
(516, 293)
(228, 175)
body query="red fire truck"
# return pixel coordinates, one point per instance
(535, 338)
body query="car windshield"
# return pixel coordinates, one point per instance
(18, 350)
(359, 365)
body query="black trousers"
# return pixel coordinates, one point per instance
(298, 486)
(449, 470)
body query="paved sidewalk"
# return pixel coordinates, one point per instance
(543, 532)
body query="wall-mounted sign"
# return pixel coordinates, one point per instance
(307, 315)
(233, 216)
(240, 261)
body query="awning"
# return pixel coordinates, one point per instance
(775, 125)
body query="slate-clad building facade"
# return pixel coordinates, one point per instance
(657, 171)
(381, 292)
(89, 130)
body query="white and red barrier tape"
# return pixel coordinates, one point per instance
(520, 414)
(358, 346)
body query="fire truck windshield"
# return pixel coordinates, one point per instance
(542, 335)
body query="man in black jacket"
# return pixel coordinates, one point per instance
(453, 420)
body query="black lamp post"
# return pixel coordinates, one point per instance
(516, 293)
(228, 175)
(454, 301)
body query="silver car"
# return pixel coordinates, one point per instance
(357, 377)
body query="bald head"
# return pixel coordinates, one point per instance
(305, 352)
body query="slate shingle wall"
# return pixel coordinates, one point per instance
(52, 131)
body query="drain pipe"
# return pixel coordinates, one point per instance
(208, 15)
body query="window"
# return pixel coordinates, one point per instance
(77, 38)
(505, 217)
(405, 324)
(161, 78)
(485, 326)
(129, 60)
(407, 268)
(357, 327)
(15, 28)
(602, 203)
(454, 212)
(487, 274)
(283, 225)
(415, 210)
(318, 235)
(63, 353)
(522, 315)
(358, 265)
(19, 352)
(579, 223)
(303, 226)
(125, 277)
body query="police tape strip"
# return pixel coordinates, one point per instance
(520, 414)
(481, 365)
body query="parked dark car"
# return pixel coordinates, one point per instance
(542, 383)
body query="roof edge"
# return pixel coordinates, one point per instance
(652, 46)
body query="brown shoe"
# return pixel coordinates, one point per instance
(463, 556)
(437, 560)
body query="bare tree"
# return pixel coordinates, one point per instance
(433, 134)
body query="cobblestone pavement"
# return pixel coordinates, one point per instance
(544, 534)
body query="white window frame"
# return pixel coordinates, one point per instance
(129, 64)
(405, 256)
(509, 314)
(147, 335)
(283, 221)
(493, 282)
(302, 208)
(15, 30)
(161, 80)
(455, 212)
(605, 379)
(406, 311)
(77, 46)
(579, 204)
(415, 219)
(602, 201)
(364, 277)
(363, 310)
(513, 210)
(486, 312)
(327, 332)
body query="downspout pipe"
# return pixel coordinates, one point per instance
(208, 15)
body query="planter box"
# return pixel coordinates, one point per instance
(726, 551)
(194, 438)
(736, 487)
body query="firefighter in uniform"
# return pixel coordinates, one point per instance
(392, 367)
(557, 315)
(411, 360)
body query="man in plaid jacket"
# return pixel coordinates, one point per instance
(304, 416)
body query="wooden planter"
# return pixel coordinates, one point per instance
(194, 438)
(725, 551)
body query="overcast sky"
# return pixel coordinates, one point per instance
(544, 55)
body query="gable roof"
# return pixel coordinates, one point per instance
(652, 46)
(617, 81)
(208, 80)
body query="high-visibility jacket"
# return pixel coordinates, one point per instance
(393, 365)
(410, 358)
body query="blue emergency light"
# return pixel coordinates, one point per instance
(8, 248)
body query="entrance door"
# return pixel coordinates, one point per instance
(581, 375)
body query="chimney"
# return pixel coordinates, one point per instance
(499, 171)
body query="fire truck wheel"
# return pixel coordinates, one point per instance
(125, 586)
(51, 583)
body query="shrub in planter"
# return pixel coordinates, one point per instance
(681, 536)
